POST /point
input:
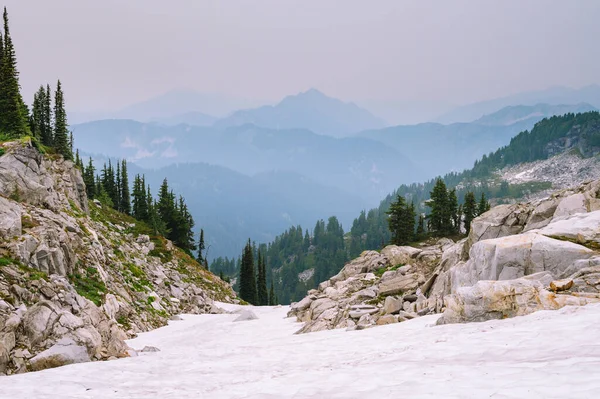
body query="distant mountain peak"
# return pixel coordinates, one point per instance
(311, 109)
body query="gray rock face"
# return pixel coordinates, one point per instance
(62, 353)
(392, 305)
(10, 219)
(398, 285)
(61, 259)
(488, 300)
(29, 176)
(508, 258)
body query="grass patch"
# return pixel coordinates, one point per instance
(28, 222)
(89, 285)
(7, 261)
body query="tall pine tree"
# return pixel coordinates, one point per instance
(261, 281)
(469, 210)
(247, 276)
(125, 195)
(61, 132)
(15, 118)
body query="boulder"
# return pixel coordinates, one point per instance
(392, 305)
(488, 300)
(398, 285)
(38, 321)
(583, 228)
(399, 255)
(516, 256)
(358, 311)
(561, 285)
(246, 315)
(320, 305)
(387, 319)
(150, 349)
(10, 219)
(570, 205)
(64, 352)
(500, 221)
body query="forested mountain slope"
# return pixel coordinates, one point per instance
(555, 136)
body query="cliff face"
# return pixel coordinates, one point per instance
(77, 278)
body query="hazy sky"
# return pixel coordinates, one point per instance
(111, 53)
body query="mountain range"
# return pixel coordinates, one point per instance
(290, 176)
(553, 95)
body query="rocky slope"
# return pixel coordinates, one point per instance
(76, 278)
(517, 259)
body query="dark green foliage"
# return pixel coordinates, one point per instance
(401, 221)
(88, 178)
(441, 204)
(483, 206)
(469, 210)
(125, 198)
(62, 144)
(272, 300)
(261, 281)
(89, 285)
(247, 276)
(14, 120)
(139, 199)
(201, 247)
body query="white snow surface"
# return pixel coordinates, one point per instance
(549, 354)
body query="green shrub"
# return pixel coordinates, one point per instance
(89, 285)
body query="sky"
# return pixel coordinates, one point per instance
(112, 53)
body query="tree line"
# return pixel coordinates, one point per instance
(47, 123)
(168, 214)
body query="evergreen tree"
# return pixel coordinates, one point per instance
(247, 276)
(261, 281)
(37, 114)
(469, 210)
(440, 218)
(421, 227)
(118, 188)
(483, 206)
(15, 118)
(125, 195)
(401, 221)
(88, 178)
(61, 132)
(453, 212)
(201, 247)
(272, 301)
(47, 134)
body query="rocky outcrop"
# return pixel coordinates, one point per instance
(517, 259)
(374, 289)
(77, 279)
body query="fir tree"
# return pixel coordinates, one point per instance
(440, 218)
(47, 134)
(483, 206)
(272, 301)
(37, 114)
(15, 119)
(453, 213)
(61, 132)
(247, 276)
(469, 210)
(201, 247)
(421, 227)
(88, 178)
(261, 281)
(125, 195)
(401, 221)
(118, 188)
